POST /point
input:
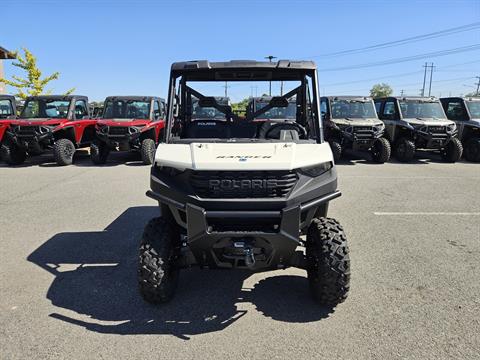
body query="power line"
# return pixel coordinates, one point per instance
(446, 52)
(408, 40)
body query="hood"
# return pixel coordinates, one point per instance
(357, 121)
(123, 122)
(428, 121)
(242, 156)
(39, 121)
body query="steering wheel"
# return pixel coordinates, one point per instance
(274, 131)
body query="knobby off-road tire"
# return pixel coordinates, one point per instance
(157, 273)
(336, 150)
(328, 262)
(472, 149)
(63, 151)
(12, 154)
(453, 151)
(148, 151)
(99, 152)
(404, 150)
(381, 150)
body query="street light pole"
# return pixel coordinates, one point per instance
(270, 58)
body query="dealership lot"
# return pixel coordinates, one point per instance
(69, 240)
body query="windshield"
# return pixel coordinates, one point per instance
(231, 109)
(6, 108)
(289, 112)
(342, 109)
(45, 108)
(126, 109)
(474, 109)
(413, 109)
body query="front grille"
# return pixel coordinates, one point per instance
(27, 130)
(242, 184)
(437, 129)
(118, 130)
(363, 132)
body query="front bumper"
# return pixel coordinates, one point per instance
(432, 140)
(32, 140)
(362, 139)
(218, 231)
(114, 140)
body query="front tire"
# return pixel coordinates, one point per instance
(99, 152)
(328, 262)
(336, 150)
(148, 151)
(472, 149)
(405, 150)
(157, 273)
(12, 154)
(381, 150)
(453, 151)
(63, 151)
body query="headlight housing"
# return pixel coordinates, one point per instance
(317, 169)
(452, 128)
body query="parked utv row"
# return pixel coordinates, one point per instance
(63, 124)
(402, 126)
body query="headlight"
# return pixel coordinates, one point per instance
(379, 127)
(452, 128)
(316, 170)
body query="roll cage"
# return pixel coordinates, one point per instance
(183, 73)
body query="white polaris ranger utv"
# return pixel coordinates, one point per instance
(240, 191)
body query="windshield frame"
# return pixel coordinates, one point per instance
(12, 108)
(126, 101)
(45, 101)
(420, 101)
(470, 114)
(307, 78)
(348, 102)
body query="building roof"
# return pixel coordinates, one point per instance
(5, 54)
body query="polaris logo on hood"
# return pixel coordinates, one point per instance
(245, 184)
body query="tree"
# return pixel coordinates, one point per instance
(381, 90)
(33, 84)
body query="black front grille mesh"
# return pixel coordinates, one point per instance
(242, 184)
(118, 130)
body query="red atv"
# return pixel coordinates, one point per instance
(129, 123)
(8, 113)
(57, 122)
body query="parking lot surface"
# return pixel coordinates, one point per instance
(68, 289)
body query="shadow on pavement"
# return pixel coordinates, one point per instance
(95, 275)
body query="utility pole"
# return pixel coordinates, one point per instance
(478, 85)
(424, 79)
(270, 58)
(226, 87)
(401, 92)
(431, 75)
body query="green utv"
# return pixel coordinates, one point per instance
(418, 123)
(350, 122)
(466, 114)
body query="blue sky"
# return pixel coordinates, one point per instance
(106, 47)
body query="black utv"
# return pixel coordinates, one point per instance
(466, 114)
(418, 123)
(350, 122)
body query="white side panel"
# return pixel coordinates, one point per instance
(236, 156)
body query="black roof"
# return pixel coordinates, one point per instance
(424, 98)
(133, 97)
(243, 64)
(469, 98)
(8, 97)
(61, 97)
(348, 97)
(268, 98)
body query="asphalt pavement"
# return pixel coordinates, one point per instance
(69, 239)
